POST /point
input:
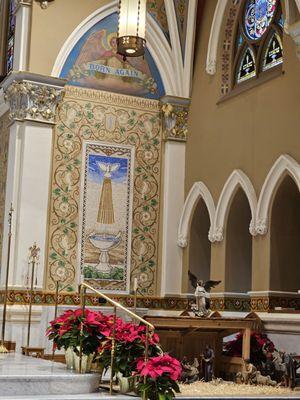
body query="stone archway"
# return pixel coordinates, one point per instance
(238, 260)
(285, 237)
(200, 246)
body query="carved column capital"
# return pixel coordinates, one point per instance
(182, 241)
(32, 97)
(262, 226)
(175, 112)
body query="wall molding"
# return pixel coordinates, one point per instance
(214, 37)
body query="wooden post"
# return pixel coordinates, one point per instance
(246, 344)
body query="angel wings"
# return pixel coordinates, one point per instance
(208, 285)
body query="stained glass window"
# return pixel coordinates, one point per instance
(258, 40)
(258, 16)
(7, 36)
(273, 52)
(10, 37)
(246, 69)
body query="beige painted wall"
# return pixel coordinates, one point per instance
(50, 28)
(248, 132)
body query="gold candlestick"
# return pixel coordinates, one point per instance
(33, 259)
(3, 349)
(135, 289)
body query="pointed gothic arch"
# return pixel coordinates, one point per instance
(238, 179)
(198, 191)
(284, 165)
(238, 244)
(285, 236)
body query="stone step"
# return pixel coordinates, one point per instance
(93, 396)
(21, 376)
(106, 396)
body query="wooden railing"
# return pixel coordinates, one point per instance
(149, 327)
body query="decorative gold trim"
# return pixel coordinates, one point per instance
(32, 101)
(175, 112)
(112, 98)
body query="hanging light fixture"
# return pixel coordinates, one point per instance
(131, 40)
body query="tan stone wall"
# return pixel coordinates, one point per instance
(50, 29)
(4, 138)
(249, 132)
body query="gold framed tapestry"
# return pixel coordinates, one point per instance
(99, 118)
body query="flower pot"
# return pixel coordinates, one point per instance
(69, 356)
(86, 363)
(125, 383)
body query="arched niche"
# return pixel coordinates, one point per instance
(200, 246)
(285, 237)
(238, 179)
(93, 63)
(238, 259)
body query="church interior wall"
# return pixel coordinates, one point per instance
(50, 30)
(247, 132)
(217, 137)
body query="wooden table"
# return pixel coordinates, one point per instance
(37, 352)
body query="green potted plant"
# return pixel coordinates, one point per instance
(129, 348)
(75, 330)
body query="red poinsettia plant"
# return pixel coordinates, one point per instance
(260, 345)
(76, 328)
(162, 374)
(129, 347)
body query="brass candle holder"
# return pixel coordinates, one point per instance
(57, 283)
(34, 255)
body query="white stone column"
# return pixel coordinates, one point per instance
(32, 101)
(22, 34)
(175, 114)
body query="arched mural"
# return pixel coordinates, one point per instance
(94, 63)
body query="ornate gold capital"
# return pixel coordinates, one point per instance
(31, 99)
(175, 111)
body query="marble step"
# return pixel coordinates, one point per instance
(28, 376)
(93, 396)
(106, 396)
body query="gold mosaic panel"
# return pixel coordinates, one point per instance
(89, 115)
(4, 137)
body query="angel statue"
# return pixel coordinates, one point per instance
(202, 290)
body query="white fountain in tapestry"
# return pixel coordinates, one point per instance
(106, 240)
